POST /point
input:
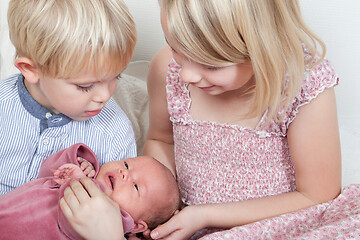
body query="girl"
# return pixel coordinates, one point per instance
(249, 109)
(242, 110)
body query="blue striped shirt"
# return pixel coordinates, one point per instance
(29, 133)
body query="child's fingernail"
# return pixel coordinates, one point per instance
(154, 234)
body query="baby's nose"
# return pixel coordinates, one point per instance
(124, 175)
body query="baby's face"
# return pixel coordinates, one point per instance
(136, 184)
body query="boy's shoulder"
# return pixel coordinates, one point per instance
(112, 118)
(114, 130)
(113, 111)
(8, 87)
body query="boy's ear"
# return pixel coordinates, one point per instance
(140, 226)
(28, 68)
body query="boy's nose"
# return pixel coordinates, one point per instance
(189, 74)
(102, 94)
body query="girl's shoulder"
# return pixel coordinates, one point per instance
(316, 80)
(173, 71)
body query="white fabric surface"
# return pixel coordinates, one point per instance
(131, 95)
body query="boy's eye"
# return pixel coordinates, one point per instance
(136, 187)
(126, 165)
(85, 88)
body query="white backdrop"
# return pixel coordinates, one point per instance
(336, 22)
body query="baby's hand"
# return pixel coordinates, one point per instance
(86, 167)
(66, 172)
(69, 170)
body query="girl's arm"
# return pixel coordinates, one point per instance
(313, 138)
(159, 143)
(314, 143)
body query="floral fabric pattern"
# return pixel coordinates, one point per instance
(219, 163)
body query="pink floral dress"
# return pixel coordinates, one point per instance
(219, 163)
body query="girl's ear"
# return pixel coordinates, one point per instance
(140, 226)
(28, 68)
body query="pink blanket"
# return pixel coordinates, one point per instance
(31, 211)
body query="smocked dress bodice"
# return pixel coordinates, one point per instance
(224, 163)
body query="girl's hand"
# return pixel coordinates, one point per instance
(181, 226)
(90, 212)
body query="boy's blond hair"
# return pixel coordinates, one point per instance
(269, 33)
(63, 37)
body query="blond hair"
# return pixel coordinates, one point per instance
(63, 36)
(269, 33)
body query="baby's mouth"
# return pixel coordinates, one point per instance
(111, 178)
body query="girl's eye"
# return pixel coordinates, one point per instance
(211, 68)
(126, 165)
(85, 88)
(136, 187)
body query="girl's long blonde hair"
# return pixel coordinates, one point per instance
(269, 33)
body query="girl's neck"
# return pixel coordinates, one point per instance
(227, 108)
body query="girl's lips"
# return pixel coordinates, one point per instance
(93, 113)
(206, 88)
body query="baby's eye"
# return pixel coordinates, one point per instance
(136, 187)
(126, 165)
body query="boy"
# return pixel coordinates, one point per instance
(145, 190)
(70, 54)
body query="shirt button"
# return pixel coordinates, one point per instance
(56, 120)
(46, 141)
(48, 115)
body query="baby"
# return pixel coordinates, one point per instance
(145, 190)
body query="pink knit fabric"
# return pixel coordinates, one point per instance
(32, 211)
(218, 163)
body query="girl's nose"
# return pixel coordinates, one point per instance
(189, 73)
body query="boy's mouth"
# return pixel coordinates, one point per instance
(93, 113)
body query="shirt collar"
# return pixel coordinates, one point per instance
(47, 117)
